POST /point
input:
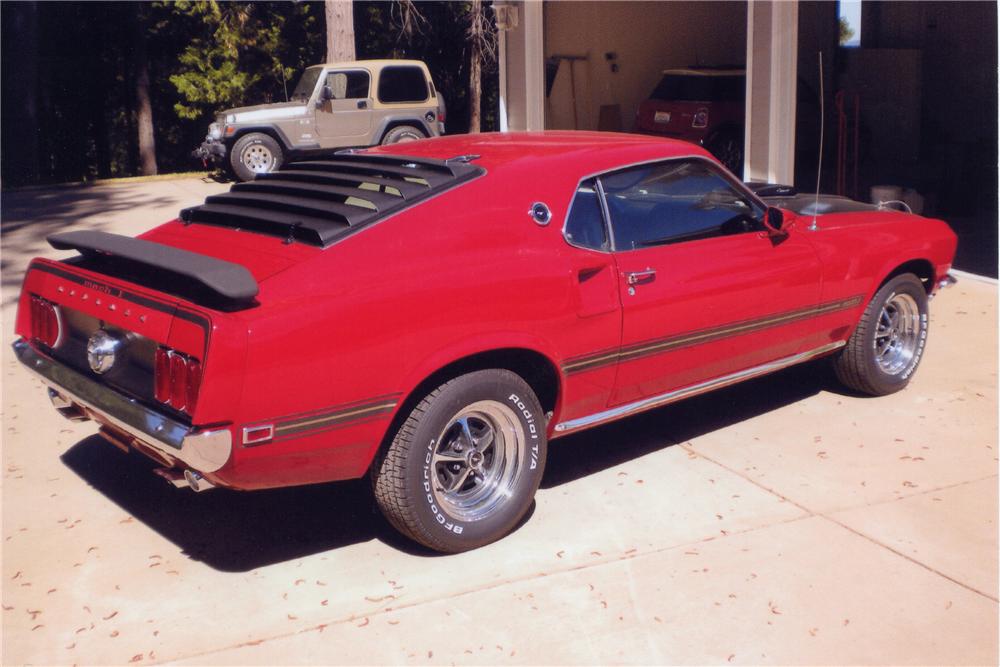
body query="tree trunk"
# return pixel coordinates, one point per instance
(475, 65)
(339, 30)
(143, 107)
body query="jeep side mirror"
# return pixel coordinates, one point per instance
(325, 93)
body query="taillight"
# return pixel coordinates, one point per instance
(161, 375)
(193, 383)
(700, 119)
(176, 379)
(441, 114)
(44, 321)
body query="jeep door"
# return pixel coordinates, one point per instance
(705, 290)
(346, 118)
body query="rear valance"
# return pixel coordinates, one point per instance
(224, 280)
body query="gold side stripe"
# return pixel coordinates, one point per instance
(340, 416)
(709, 335)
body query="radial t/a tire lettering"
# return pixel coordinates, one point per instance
(462, 470)
(886, 347)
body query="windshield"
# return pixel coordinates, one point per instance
(679, 87)
(307, 83)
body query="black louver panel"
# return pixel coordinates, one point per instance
(319, 201)
(407, 189)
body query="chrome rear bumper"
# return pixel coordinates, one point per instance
(78, 397)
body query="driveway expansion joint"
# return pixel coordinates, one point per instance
(823, 515)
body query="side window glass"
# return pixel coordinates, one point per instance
(348, 85)
(671, 202)
(585, 224)
(402, 84)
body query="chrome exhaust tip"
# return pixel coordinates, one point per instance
(187, 479)
(197, 482)
(172, 476)
(66, 407)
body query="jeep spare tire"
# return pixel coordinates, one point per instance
(401, 133)
(255, 153)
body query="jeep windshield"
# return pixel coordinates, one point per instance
(700, 88)
(307, 83)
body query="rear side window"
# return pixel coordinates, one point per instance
(402, 83)
(348, 85)
(585, 225)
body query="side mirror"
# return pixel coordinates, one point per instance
(774, 221)
(325, 93)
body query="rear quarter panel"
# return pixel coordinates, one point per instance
(378, 312)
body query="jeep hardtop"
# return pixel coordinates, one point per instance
(333, 106)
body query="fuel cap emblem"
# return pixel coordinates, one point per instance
(102, 350)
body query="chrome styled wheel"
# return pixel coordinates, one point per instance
(463, 467)
(885, 348)
(257, 158)
(478, 459)
(897, 333)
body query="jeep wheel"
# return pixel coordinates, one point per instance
(885, 348)
(401, 133)
(253, 154)
(463, 468)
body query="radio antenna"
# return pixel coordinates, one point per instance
(822, 121)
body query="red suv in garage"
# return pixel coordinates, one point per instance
(702, 105)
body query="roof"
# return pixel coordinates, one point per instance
(698, 71)
(372, 64)
(549, 153)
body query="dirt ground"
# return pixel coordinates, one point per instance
(782, 521)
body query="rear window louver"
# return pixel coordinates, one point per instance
(319, 201)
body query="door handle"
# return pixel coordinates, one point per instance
(362, 104)
(640, 277)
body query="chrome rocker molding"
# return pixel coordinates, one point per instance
(205, 451)
(701, 388)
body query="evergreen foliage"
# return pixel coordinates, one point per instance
(75, 118)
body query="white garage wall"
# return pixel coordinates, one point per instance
(648, 37)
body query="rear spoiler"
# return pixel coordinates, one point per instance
(223, 280)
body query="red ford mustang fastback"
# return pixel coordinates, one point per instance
(432, 319)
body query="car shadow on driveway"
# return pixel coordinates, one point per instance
(234, 531)
(231, 531)
(603, 447)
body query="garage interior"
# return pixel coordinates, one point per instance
(910, 106)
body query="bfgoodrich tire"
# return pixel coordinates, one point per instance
(888, 343)
(463, 468)
(255, 153)
(402, 133)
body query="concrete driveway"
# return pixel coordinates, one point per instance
(780, 522)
